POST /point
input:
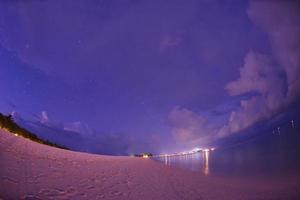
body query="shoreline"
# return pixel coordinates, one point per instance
(36, 171)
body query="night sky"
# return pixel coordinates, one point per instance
(122, 77)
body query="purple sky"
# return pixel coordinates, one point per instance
(135, 75)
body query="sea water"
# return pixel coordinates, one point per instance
(274, 153)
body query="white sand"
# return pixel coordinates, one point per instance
(29, 170)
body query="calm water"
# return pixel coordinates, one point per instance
(270, 154)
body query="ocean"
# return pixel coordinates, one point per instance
(272, 153)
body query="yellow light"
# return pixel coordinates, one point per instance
(145, 156)
(206, 162)
(16, 134)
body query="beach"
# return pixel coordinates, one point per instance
(30, 170)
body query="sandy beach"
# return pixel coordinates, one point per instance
(29, 170)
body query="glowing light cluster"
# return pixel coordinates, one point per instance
(145, 156)
(193, 151)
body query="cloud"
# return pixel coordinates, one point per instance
(273, 79)
(79, 136)
(79, 127)
(44, 117)
(76, 127)
(282, 24)
(15, 114)
(267, 83)
(261, 77)
(258, 74)
(188, 127)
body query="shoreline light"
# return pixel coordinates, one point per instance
(184, 153)
(145, 156)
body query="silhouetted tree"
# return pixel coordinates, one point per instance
(8, 123)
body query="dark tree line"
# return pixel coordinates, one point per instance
(7, 122)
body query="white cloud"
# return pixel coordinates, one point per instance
(79, 127)
(188, 127)
(44, 117)
(261, 76)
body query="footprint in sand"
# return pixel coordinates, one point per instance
(116, 193)
(90, 187)
(101, 196)
(30, 197)
(9, 179)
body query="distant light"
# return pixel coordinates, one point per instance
(145, 156)
(212, 149)
(206, 150)
(16, 134)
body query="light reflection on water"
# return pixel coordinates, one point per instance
(206, 163)
(195, 162)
